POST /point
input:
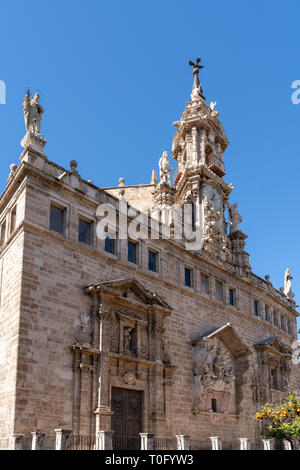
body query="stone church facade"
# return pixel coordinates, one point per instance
(141, 335)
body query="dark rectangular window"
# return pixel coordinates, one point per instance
(152, 261)
(275, 318)
(231, 297)
(3, 233)
(132, 252)
(274, 379)
(267, 313)
(214, 405)
(57, 219)
(283, 326)
(84, 232)
(188, 277)
(256, 309)
(290, 329)
(110, 244)
(219, 291)
(204, 284)
(13, 219)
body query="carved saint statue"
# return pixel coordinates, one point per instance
(32, 113)
(234, 218)
(164, 169)
(288, 284)
(127, 339)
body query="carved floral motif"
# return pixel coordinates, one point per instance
(114, 333)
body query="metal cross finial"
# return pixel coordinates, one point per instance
(196, 66)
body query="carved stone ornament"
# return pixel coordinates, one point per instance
(84, 332)
(114, 333)
(213, 376)
(217, 419)
(215, 240)
(129, 378)
(214, 364)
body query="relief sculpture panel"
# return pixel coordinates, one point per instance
(214, 381)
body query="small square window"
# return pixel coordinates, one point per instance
(132, 252)
(256, 308)
(152, 261)
(188, 277)
(110, 244)
(231, 293)
(85, 232)
(220, 291)
(204, 284)
(57, 217)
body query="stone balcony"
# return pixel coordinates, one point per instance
(215, 164)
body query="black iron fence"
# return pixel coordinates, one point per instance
(121, 442)
(47, 443)
(83, 442)
(165, 443)
(26, 443)
(231, 444)
(200, 445)
(117, 441)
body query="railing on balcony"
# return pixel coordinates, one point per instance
(215, 164)
(176, 175)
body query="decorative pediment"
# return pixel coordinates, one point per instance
(273, 344)
(230, 338)
(131, 290)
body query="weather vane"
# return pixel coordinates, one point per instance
(196, 66)
(197, 88)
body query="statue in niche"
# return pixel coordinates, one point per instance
(164, 169)
(288, 284)
(234, 218)
(127, 339)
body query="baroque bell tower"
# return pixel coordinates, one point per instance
(198, 147)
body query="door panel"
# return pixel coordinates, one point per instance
(127, 409)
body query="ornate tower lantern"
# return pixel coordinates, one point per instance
(198, 147)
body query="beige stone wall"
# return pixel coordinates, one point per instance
(11, 263)
(140, 196)
(55, 270)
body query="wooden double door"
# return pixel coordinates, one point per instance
(127, 408)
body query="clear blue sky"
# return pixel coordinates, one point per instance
(113, 77)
